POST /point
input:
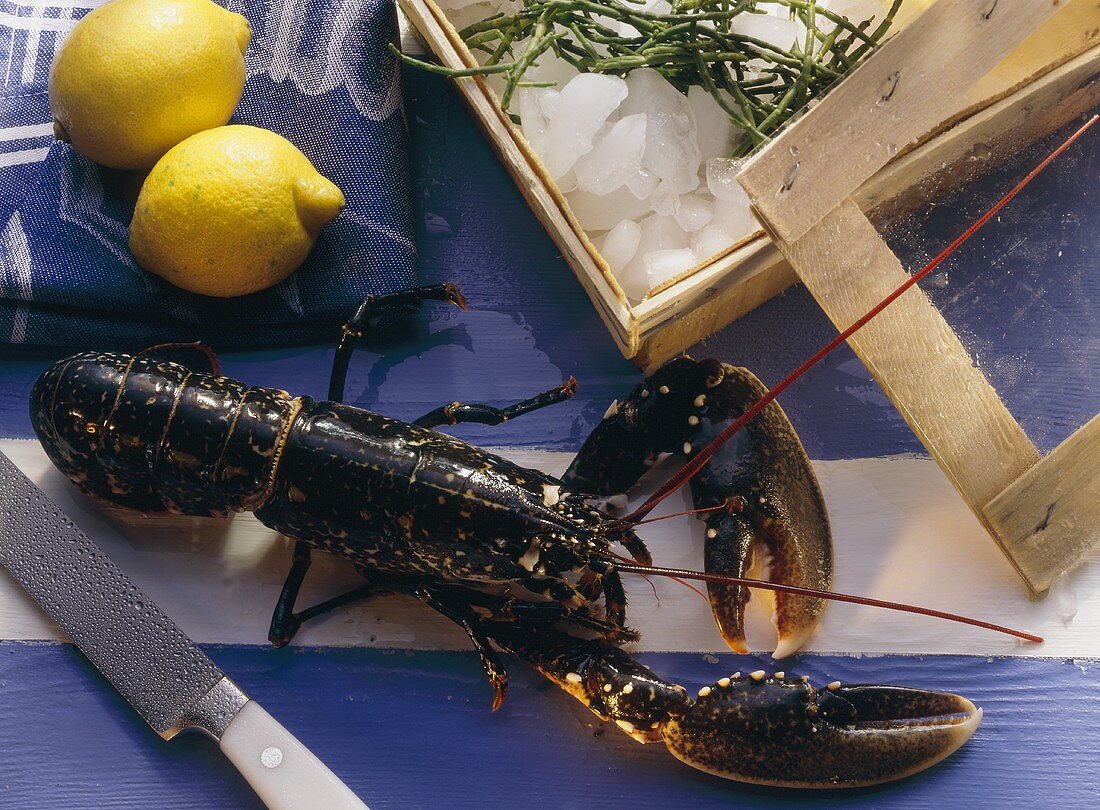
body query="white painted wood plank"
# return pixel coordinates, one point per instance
(900, 530)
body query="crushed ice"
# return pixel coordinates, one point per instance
(643, 166)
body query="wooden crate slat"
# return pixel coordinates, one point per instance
(968, 149)
(523, 164)
(724, 287)
(1048, 519)
(674, 319)
(913, 355)
(902, 92)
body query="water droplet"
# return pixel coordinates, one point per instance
(1064, 598)
(980, 152)
(938, 280)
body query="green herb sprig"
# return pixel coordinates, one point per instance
(760, 86)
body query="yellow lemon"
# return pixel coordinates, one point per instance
(136, 77)
(230, 211)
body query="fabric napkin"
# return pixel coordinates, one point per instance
(319, 73)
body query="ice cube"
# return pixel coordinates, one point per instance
(548, 68)
(643, 184)
(715, 132)
(780, 31)
(671, 151)
(693, 212)
(532, 115)
(583, 107)
(711, 241)
(600, 212)
(664, 199)
(722, 180)
(616, 158)
(658, 233)
(548, 99)
(648, 6)
(734, 217)
(1063, 596)
(568, 183)
(661, 265)
(661, 233)
(620, 244)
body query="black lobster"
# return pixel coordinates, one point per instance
(517, 558)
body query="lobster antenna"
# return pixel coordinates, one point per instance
(699, 460)
(725, 579)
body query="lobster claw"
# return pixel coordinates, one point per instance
(782, 732)
(762, 477)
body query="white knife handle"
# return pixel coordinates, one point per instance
(282, 771)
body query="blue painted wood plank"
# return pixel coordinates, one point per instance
(414, 730)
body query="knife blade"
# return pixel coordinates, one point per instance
(172, 684)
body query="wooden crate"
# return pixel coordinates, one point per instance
(1044, 83)
(804, 186)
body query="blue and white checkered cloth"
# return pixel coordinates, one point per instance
(319, 73)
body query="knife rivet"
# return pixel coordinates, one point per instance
(271, 757)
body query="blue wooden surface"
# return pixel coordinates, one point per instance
(413, 730)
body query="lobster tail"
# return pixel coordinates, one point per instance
(150, 434)
(69, 405)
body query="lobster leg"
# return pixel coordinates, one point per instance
(462, 413)
(762, 477)
(776, 730)
(464, 616)
(368, 309)
(285, 623)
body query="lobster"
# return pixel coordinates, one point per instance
(517, 558)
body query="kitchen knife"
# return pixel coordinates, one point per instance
(173, 685)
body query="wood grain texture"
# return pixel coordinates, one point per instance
(1048, 519)
(990, 137)
(413, 730)
(898, 95)
(726, 289)
(913, 354)
(521, 161)
(720, 293)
